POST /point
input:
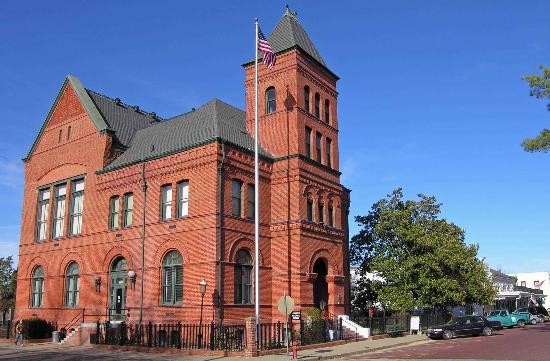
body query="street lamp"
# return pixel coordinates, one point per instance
(202, 290)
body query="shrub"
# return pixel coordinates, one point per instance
(35, 328)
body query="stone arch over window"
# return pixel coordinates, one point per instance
(244, 243)
(172, 278)
(113, 254)
(37, 287)
(243, 277)
(72, 284)
(332, 265)
(270, 100)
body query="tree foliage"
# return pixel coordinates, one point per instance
(539, 88)
(419, 259)
(8, 282)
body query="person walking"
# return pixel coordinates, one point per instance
(19, 333)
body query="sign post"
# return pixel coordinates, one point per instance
(285, 305)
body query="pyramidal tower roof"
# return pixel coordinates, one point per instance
(289, 33)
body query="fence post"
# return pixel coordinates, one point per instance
(179, 335)
(250, 329)
(9, 329)
(149, 334)
(107, 332)
(301, 332)
(212, 331)
(121, 328)
(97, 333)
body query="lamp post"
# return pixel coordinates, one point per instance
(202, 290)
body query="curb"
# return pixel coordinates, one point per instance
(374, 349)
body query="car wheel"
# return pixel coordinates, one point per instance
(521, 323)
(534, 321)
(487, 331)
(447, 334)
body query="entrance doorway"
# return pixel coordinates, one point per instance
(320, 286)
(117, 290)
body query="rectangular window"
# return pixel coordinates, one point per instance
(113, 212)
(236, 198)
(321, 212)
(128, 208)
(328, 151)
(183, 199)
(37, 292)
(330, 215)
(536, 284)
(523, 284)
(58, 223)
(250, 201)
(77, 206)
(42, 214)
(310, 210)
(318, 146)
(166, 202)
(308, 142)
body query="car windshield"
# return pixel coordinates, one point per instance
(494, 313)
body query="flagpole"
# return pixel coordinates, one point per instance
(256, 193)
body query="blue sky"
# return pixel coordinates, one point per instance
(431, 97)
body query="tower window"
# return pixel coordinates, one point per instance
(321, 212)
(328, 151)
(310, 210)
(243, 278)
(327, 111)
(331, 214)
(236, 197)
(270, 100)
(306, 98)
(317, 105)
(308, 142)
(318, 146)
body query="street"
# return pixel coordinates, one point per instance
(531, 343)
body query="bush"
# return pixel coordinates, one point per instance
(35, 328)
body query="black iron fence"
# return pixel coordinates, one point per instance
(305, 332)
(380, 325)
(171, 335)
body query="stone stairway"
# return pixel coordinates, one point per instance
(352, 330)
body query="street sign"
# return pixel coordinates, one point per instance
(285, 305)
(296, 315)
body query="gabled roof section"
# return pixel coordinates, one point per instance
(123, 119)
(289, 33)
(86, 102)
(213, 121)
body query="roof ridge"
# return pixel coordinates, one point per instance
(126, 105)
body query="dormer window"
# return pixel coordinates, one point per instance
(270, 100)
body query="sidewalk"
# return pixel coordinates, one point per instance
(348, 349)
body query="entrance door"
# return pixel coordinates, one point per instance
(320, 286)
(117, 306)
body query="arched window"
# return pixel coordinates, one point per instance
(331, 214)
(72, 284)
(69, 132)
(270, 100)
(306, 98)
(37, 287)
(172, 278)
(327, 111)
(243, 277)
(317, 105)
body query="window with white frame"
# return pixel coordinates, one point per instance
(128, 210)
(77, 206)
(114, 210)
(183, 199)
(37, 287)
(42, 214)
(58, 222)
(236, 197)
(166, 202)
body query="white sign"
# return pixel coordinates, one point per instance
(415, 323)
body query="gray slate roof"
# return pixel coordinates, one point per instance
(123, 119)
(289, 33)
(213, 120)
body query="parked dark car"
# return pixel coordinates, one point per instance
(463, 326)
(543, 312)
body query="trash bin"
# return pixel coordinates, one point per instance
(331, 335)
(55, 337)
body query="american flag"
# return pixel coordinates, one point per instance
(265, 47)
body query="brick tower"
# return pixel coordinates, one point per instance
(298, 125)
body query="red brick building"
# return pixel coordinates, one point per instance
(102, 178)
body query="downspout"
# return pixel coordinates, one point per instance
(220, 249)
(144, 191)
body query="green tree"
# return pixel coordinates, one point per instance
(420, 259)
(539, 88)
(8, 283)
